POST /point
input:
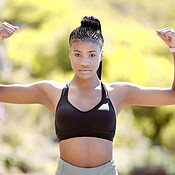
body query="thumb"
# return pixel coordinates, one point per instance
(157, 31)
(16, 28)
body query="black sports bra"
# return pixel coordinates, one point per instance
(100, 121)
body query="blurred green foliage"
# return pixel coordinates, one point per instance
(132, 52)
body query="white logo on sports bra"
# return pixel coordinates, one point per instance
(104, 107)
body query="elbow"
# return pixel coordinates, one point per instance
(173, 89)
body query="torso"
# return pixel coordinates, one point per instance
(85, 151)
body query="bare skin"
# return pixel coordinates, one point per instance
(87, 151)
(84, 94)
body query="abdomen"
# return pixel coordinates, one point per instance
(86, 151)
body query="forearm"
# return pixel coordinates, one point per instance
(173, 86)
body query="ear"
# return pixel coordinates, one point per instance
(101, 55)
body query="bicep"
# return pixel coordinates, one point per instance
(22, 94)
(147, 96)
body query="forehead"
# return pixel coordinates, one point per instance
(84, 46)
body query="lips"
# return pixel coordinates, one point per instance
(85, 71)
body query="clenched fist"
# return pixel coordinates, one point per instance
(167, 35)
(7, 30)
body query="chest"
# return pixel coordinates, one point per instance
(88, 99)
(84, 100)
(88, 110)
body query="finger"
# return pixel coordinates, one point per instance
(169, 35)
(161, 35)
(8, 26)
(166, 34)
(14, 28)
(9, 31)
(167, 28)
(5, 37)
(158, 32)
(4, 31)
(164, 31)
(6, 34)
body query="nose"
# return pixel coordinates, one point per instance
(84, 61)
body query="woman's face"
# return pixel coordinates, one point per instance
(85, 58)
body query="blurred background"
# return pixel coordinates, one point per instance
(145, 136)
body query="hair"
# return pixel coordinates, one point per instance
(90, 30)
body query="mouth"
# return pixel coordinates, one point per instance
(85, 71)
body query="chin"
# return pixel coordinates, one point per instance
(85, 76)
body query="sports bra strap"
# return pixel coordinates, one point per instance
(106, 92)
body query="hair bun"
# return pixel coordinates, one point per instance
(91, 21)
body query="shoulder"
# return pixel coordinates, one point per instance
(46, 85)
(118, 86)
(120, 91)
(51, 91)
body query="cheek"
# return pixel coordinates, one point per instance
(74, 63)
(96, 62)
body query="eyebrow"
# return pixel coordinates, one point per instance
(88, 52)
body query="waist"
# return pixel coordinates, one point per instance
(86, 151)
(108, 168)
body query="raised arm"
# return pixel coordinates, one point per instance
(133, 94)
(24, 94)
(34, 93)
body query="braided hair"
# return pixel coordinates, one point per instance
(90, 30)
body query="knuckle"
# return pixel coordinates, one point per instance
(4, 23)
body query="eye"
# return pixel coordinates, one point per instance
(77, 55)
(92, 55)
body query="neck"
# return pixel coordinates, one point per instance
(85, 83)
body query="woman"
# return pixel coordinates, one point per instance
(85, 108)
